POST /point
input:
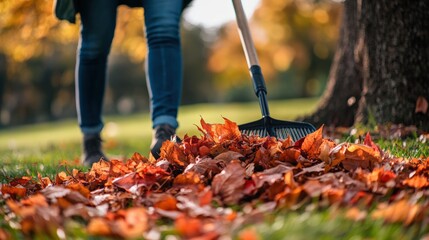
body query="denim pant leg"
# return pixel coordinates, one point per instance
(164, 61)
(98, 19)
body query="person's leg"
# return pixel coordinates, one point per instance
(98, 20)
(164, 60)
(163, 67)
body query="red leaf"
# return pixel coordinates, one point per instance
(17, 191)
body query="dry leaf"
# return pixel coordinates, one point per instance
(417, 182)
(401, 211)
(311, 144)
(229, 183)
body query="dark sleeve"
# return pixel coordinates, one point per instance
(186, 3)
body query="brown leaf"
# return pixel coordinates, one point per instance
(228, 156)
(270, 175)
(146, 177)
(229, 183)
(421, 105)
(206, 166)
(313, 188)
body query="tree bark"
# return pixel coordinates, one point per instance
(381, 66)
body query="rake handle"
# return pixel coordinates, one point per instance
(251, 58)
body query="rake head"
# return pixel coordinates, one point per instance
(268, 126)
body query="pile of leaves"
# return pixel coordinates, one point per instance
(210, 186)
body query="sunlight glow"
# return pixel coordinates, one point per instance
(214, 13)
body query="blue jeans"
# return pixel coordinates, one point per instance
(163, 63)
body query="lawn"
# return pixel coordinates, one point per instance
(44, 149)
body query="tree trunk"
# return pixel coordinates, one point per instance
(381, 66)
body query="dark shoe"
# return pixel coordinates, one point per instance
(161, 134)
(92, 152)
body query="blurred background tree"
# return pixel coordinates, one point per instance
(295, 41)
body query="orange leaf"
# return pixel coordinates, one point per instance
(136, 220)
(35, 200)
(61, 177)
(311, 144)
(80, 188)
(401, 211)
(220, 132)
(99, 227)
(167, 202)
(358, 155)
(171, 151)
(188, 227)
(188, 178)
(356, 214)
(205, 197)
(249, 234)
(417, 182)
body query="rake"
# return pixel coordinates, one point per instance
(266, 126)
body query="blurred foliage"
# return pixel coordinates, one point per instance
(295, 42)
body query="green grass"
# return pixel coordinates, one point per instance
(26, 150)
(36, 148)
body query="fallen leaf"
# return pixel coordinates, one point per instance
(417, 182)
(188, 227)
(229, 183)
(78, 187)
(187, 179)
(401, 211)
(206, 166)
(356, 214)
(17, 191)
(249, 234)
(358, 155)
(171, 151)
(220, 132)
(99, 227)
(311, 144)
